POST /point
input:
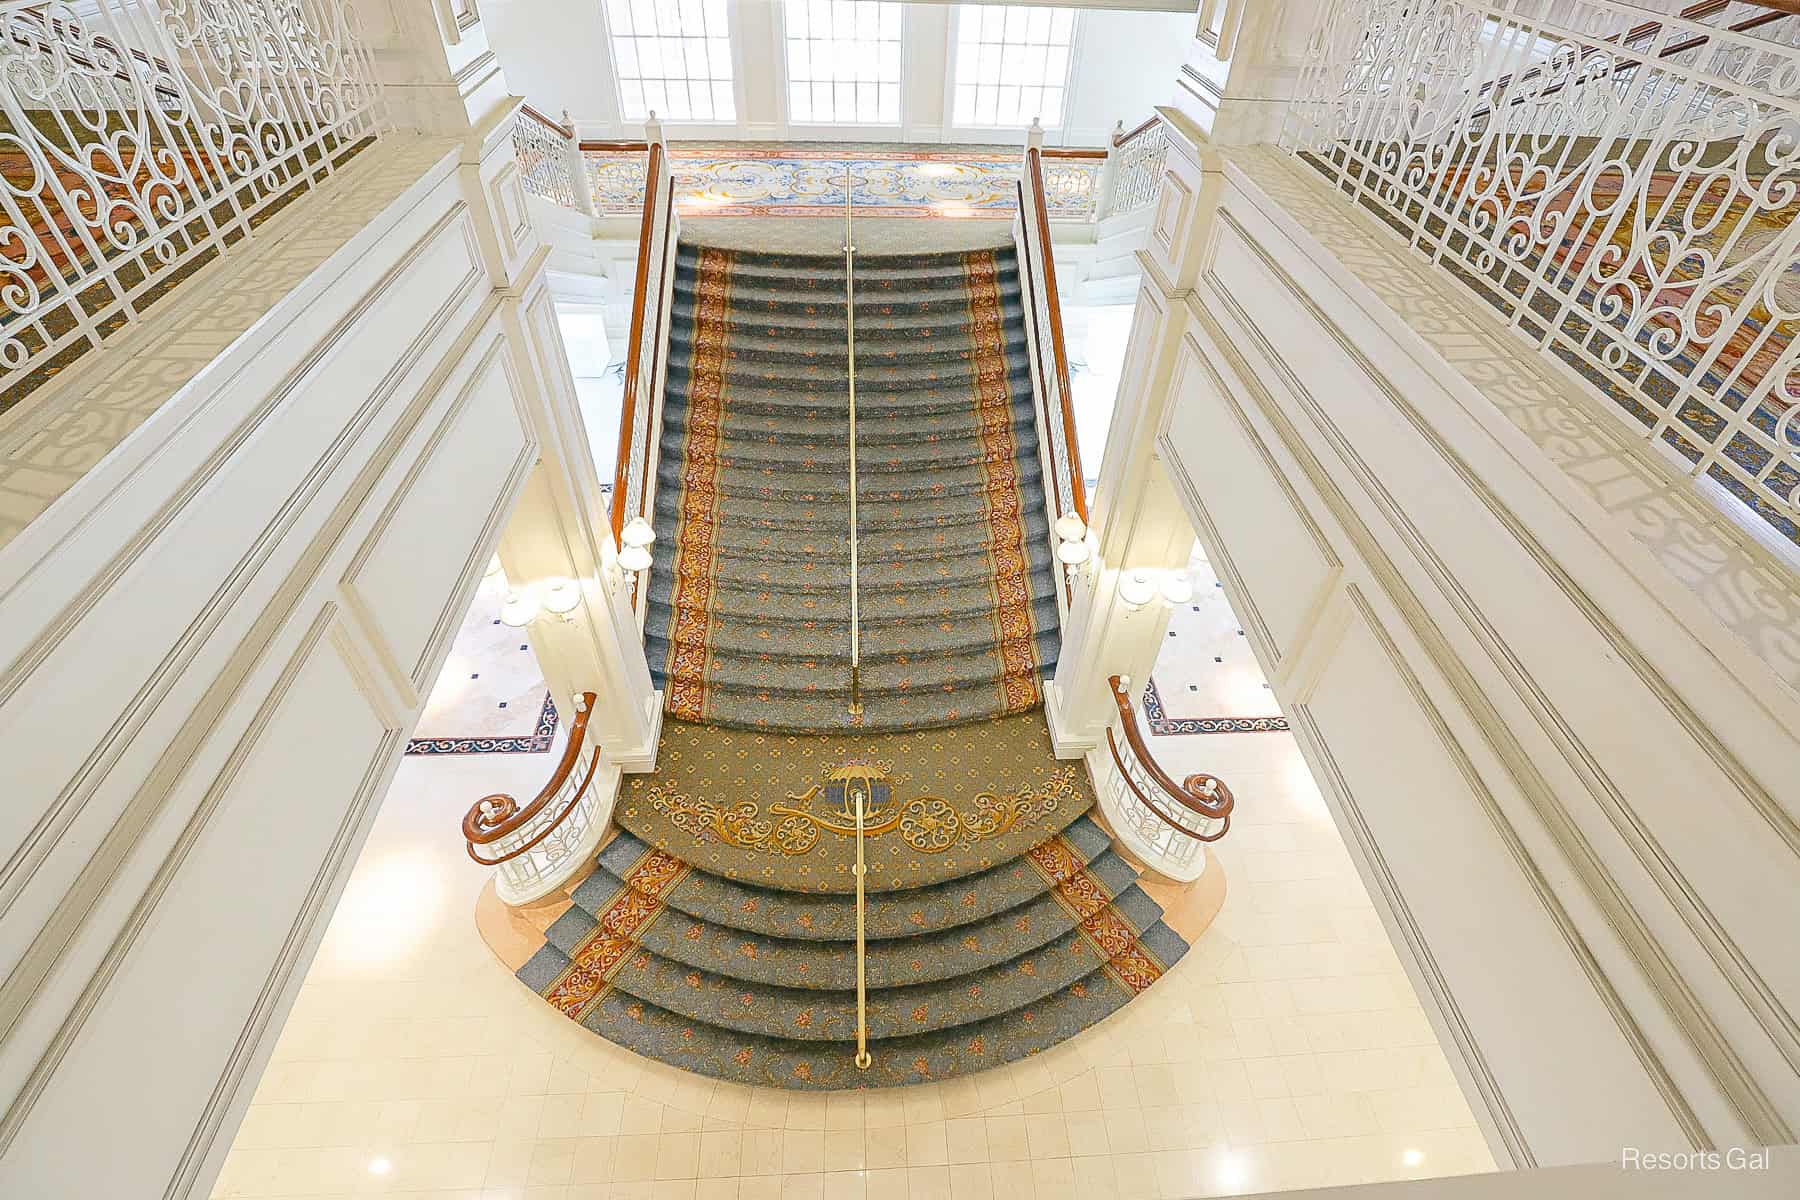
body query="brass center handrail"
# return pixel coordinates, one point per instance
(850, 367)
(862, 979)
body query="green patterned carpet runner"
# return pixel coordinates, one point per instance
(750, 601)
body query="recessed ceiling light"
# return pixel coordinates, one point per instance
(1413, 1158)
(380, 1166)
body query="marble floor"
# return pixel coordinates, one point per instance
(1288, 1049)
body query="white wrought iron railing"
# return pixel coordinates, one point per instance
(140, 139)
(1134, 168)
(549, 157)
(536, 848)
(1621, 186)
(1166, 824)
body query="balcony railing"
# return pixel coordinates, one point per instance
(536, 848)
(1622, 187)
(1164, 822)
(139, 140)
(1135, 168)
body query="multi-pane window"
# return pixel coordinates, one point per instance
(843, 61)
(673, 58)
(1012, 64)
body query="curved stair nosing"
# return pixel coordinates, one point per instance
(822, 964)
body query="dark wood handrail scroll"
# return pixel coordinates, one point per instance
(1200, 796)
(494, 817)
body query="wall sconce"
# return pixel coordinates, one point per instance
(1137, 588)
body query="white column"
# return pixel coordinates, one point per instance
(1242, 67)
(560, 530)
(436, 67)
(1136, 518)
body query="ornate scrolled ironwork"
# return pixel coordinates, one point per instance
(1622, 187)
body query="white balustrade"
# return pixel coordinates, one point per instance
(1135, 177)
(1165, 824)
(1621, 186)
(543, 151)
(536, 849)
(140, 139)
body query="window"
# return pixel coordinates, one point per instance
(1012, 64)
(843, 61)
(673, 58)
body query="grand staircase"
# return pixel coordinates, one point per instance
(719, 931)
(749, 609)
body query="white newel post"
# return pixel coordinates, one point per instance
(579, 183)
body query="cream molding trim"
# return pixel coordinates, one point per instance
(1724, 1064)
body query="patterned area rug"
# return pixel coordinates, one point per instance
(773, 809)
(749, 622)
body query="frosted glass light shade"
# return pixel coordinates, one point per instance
(1070, 528)
(1072, 553)
(519, 609)
(1137, 588)
(561, 596)
(1177, 588)
(634, 558)
(637, 532)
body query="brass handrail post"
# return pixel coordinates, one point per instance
(862, 987)
(856, 706)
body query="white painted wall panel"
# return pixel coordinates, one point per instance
(235, 913)
(1286, 566)
(403, 578)
(1416, 812)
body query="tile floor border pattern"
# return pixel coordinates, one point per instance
(537, 742)
(1163, 725)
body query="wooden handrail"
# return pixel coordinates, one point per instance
(567, 131)
(1119, 139)
(493, 817)
(1074, 152)
(612, 147)
(634, 342)
(1161, 814)
(1059, 353)
(1203, 794)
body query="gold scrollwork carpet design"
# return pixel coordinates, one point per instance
(717, 933)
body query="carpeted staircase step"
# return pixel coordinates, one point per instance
(886, 383)
(814, 963)
(945, 643)
(925, 1058)
(748, 555)
(933, 593)
(948, 478)
(902, 913)
(795, 516)
(819, 430)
